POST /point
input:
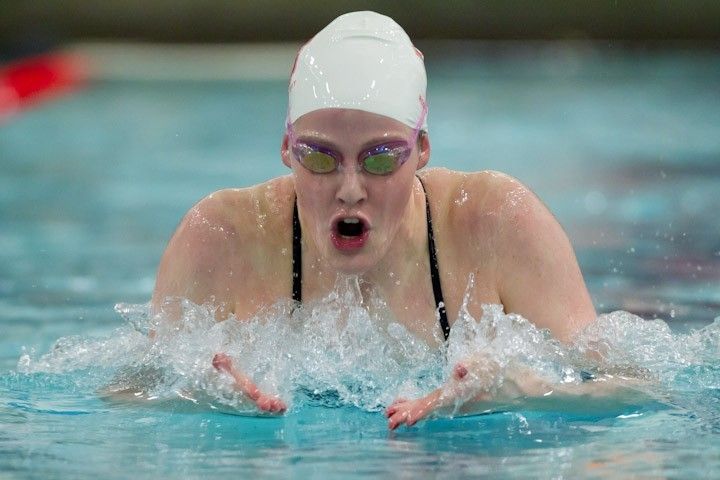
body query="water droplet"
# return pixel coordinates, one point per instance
(462, 198)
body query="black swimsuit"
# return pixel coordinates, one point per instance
(434, 272)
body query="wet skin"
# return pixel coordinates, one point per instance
(265, 402)
(233, 248)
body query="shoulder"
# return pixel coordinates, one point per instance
(481, 204)
(473, 191)
(496, 219)
(494, 203)
(244, 212)
(224, 235)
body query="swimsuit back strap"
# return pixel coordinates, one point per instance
(297, 256)
(434, 271)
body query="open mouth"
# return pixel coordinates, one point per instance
(350, 227)
(349, 234)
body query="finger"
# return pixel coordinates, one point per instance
(271, 404)
(393, 423)
(397, 419)
(460, 371)
(413, 419)
(394, 406)
(221, 361)
(262, 404)
(216, 360)
(391, 410)
(280, 406)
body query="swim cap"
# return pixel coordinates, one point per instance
(363, 61)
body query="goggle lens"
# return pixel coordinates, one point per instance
(381, 163)
(318, 162)
(382, 160)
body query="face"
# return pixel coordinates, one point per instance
(353, 216)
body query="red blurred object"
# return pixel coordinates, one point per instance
(31, 80)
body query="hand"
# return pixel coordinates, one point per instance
(410, 412)
(265, 402)
(460, 386)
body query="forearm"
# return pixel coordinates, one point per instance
(521, 386)
(244, 384)
(265, 402)
(480, 384)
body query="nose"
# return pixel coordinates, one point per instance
(352, 189)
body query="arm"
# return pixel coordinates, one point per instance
(197, 260)
(537, 277)
(265, 402)
(538, 274)
(204, 259)
(473, 387)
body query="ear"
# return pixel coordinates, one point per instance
(285, 151)
(424, 146)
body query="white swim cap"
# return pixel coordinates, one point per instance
(363, 61)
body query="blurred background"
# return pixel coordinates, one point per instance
(117, 116)
(26, 26)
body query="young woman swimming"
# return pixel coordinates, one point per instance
(360, 202)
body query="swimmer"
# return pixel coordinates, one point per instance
(359, 201)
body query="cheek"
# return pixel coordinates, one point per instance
(314, 193)
(395, 193)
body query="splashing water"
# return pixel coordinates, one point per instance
(335, 353)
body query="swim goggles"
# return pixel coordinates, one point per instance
(382, 159)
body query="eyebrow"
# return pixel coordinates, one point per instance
(322, 141)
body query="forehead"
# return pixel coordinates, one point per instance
(343, 122)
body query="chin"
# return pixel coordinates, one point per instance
(351, 267)
(353, 264)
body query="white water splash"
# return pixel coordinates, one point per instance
(334, 352)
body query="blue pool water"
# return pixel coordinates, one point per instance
(623, 146)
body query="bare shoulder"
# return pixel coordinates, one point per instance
(524, 222)
(473, 191)
(478, 201)
(224, 236)
(478, 206)
(493, 205)
(245, 214)
(496, 220)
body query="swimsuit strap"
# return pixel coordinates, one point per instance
(434, 271)
(297, 256)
